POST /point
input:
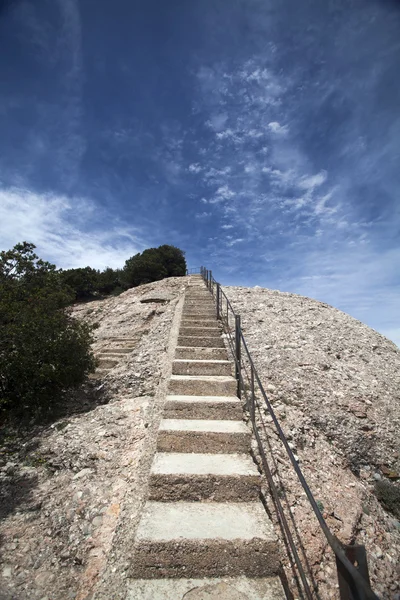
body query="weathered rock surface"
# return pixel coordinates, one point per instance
(72, 492)
(63, 493)
(334, 384)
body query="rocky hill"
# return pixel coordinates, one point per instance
(335, 386)
(72, 491)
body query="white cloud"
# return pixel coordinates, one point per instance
(217, 121)
(275, 127)
(203, 215)
(235, 241)
(312, 181)
(195, 168)
(57, 225)
(226, 226)
(225, 193)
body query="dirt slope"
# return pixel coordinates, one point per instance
(335, 385)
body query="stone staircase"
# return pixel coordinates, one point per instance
(113, 350)
(204, 532)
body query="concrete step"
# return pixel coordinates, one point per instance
(201, 353)
(187, 539)
(203, 407)
(204, 342)
(199, 306)
(99, 373)
(224, 588)
(119, 339)
(200, 331)
(110, 355)
(195, 477)
(201, 367)
(203, 436)
(117, 350)
(203, 319)
(192, 322)
(107, 363)
(199, 313)
(196, 310)
(204, 385)
(199, 298)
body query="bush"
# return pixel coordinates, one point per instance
(43, 350)
(82, 282)
(154, 264)
(108, 281)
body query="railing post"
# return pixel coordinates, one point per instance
(251, 409)
(238, 355)
(211, 281)
(356, 555)
(218, 301)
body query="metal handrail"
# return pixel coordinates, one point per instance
(353, 581)
(193, 270)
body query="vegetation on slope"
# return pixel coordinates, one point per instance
(44, 351)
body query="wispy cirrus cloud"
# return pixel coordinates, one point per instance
(286, 220)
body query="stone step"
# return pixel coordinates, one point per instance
(203, 436)
(200, 331)
(223, 588)
(204, 319)
(201, 367)
(204, 342)
(107, 363)
(192, 322)
(118, 339)
(199, 298)
(201, 353)
(196, 477)
(193, 310)
(199, 308)
(204, 385)
(187, 539)
(195, 316)
(117, 350)
(203, 407)
(99, 373)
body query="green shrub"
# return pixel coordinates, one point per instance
(154, 264)
(82, 282)
(43, 350)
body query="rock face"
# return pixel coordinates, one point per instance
(334, 384)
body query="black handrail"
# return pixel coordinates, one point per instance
(353, 581)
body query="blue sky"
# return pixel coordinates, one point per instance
(260, 136)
